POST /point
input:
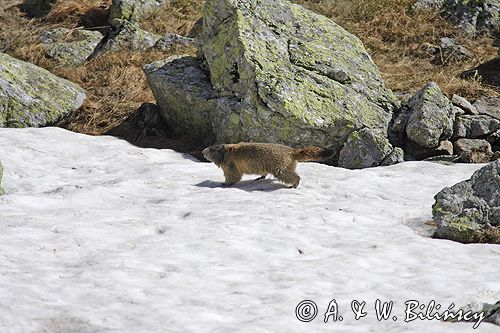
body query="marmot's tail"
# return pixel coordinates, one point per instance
(312, 154)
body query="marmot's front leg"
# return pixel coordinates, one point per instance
(261, 177)
(289, 177)
(232, 174)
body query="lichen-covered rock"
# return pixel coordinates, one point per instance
(430, 118)
(181, 86)
(169, 42)
(280, 73)
(70, 47)
(470, 210)
(475, 126)
(367, 148)
(133, 10)
(1, 174)
(473, 150)
(473, 16)
(464, 104)
(31, 96)
(128, 36)
(450, 50)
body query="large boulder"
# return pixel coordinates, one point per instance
(31, 96)
(133, 10)
(70, 47)
(274, 72)
(470, 210)
(430, 117)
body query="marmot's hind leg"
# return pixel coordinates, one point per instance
(232, 175)
(289, 177)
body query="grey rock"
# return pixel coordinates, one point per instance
(70, 47)
(488, 106)
(133, 10)
(128, 36)
(470, 210)
(395, 157)
(449, 50)
(464, 104)
(368, 148)
(473, 127)
(31, 96)
(473, 150)
(270, 68)
(170, 42)
(491, 312)
(473, 16)
(430, 118)
(428, 4)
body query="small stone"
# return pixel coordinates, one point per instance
(473, 150)
(449, 50)
(169, 42)
(464, 104)
(128, 36)
(70, 47)
(133, 10)
(430, 117)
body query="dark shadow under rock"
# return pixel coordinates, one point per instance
(145, 128)
(489, 73)
(36, 8)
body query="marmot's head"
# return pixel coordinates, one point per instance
(214, 153)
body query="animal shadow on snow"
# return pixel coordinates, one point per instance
(264, 185)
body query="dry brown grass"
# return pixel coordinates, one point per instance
(399, 41)
(115, 83)
(179, 17)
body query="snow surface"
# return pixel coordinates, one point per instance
(100, 236)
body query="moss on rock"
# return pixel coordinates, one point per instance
(31, 96)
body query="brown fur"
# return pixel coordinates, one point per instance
(262, 159)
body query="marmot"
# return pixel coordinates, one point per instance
(262, 159)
